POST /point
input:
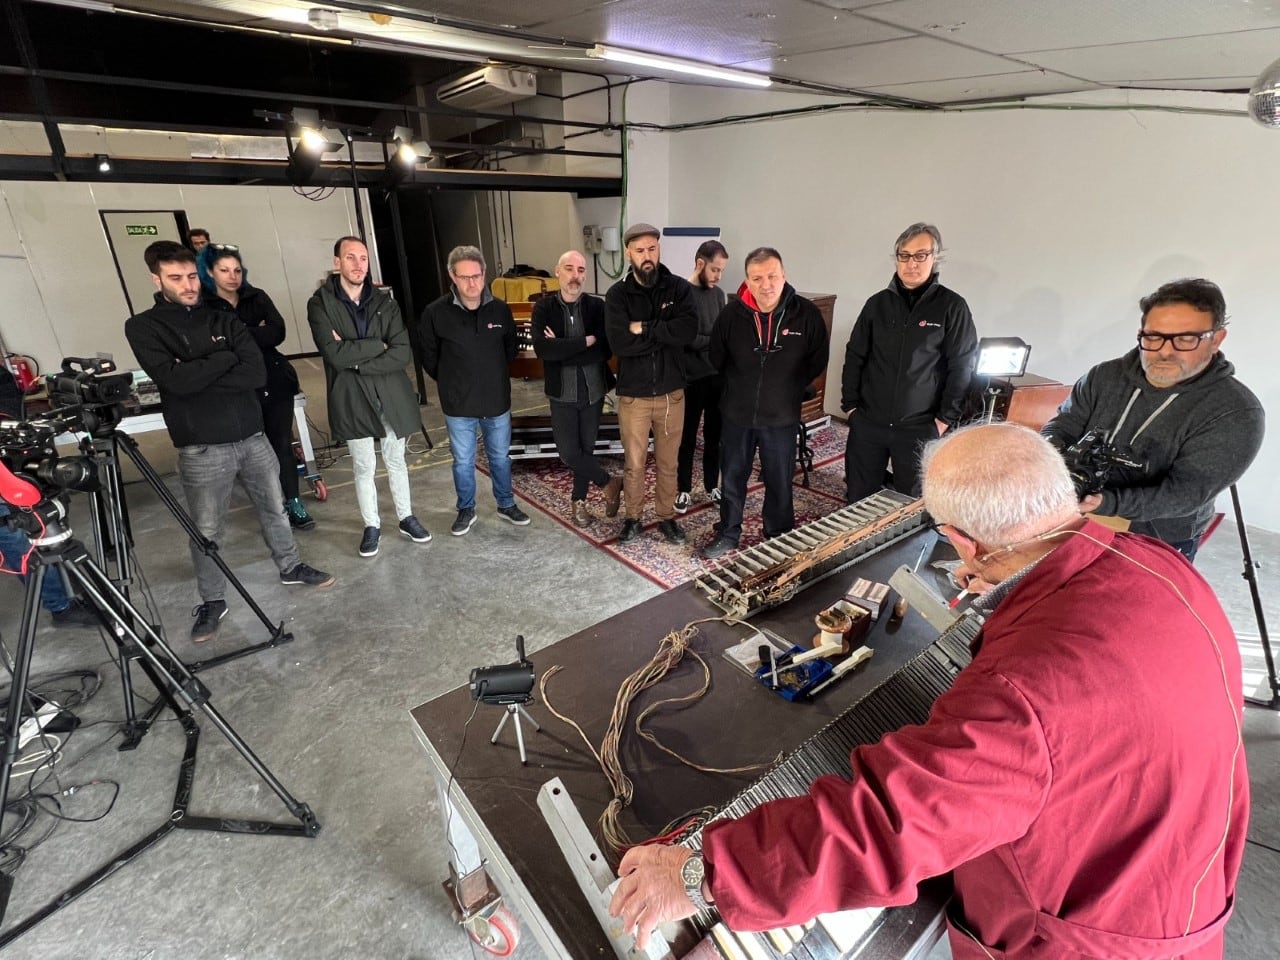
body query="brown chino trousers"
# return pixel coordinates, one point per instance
(664, 415)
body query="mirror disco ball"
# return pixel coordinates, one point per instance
(1264, 97)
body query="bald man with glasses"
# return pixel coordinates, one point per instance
(1173, 406)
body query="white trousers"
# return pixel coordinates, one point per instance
(363, 463)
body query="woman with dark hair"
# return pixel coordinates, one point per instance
(226, 285)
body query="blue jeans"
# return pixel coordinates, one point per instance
(14, 545)
(497, 447)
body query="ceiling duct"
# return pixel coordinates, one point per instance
(488, 88)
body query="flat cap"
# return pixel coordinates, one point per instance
(640, 230)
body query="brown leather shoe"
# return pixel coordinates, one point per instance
(612, 496)
(580, 514)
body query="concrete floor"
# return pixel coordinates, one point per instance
(328, 715)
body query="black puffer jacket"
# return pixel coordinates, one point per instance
(651, 362)
(905, 366)
(266, 326)
(764, 384)
(207, 367)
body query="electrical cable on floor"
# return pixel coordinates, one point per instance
(1264, 846)
(671, 651)
(449, 807)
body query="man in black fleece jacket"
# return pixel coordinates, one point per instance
(1174, 405)
(208, 369)
(650, 317)
(770, 344)
(906, 368)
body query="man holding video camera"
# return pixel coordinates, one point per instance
(208, 369)
(1154, 436)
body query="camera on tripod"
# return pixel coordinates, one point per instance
(1092, 462)
(92, 388)
(28, 453)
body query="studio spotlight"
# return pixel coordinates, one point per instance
(1002, 357)
(311, 144)
(103, 162)
(404, 157)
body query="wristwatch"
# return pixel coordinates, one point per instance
(692, 873)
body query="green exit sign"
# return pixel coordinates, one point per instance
(141, 230)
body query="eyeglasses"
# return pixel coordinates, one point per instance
(1182, 342)
(225, 246)
(919, 257)
(470, 278)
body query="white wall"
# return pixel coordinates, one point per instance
(58, 280)
(1055, 222)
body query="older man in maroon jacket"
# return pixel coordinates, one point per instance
(1084, 777)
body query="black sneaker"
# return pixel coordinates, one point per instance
(369, 542)
(466, 520)
(75, 615)
(671, 532)
(630, 531)
(414, 530)
(208, 616)
(514, 514)
(306, 576)
(718, 548)
(299, 519)
(682, 502)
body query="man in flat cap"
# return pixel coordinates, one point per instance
(649, 318)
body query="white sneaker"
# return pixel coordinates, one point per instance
(715, 494)
(682, 503)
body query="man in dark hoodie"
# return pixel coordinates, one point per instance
(703, 382)
(650, 318)
(208, 370)
(770, 343)
(906, 368)
(359, 333)
(1174, 405)
(468, 340)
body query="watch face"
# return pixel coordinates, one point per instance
(692, 871)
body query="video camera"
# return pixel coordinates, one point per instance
(1092, 461)
(92, 387)
(28, 454)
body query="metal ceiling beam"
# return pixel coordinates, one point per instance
(39, 90)
(272, 173)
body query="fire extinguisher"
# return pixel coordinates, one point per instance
(25, 371)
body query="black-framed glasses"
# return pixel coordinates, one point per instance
(919, 257)
(1182, 342)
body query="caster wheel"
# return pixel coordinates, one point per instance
(498, 935)
(321, 490)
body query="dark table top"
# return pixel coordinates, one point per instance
(737, 723)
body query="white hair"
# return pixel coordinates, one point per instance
(999, 483)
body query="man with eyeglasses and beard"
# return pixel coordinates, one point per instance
(1174, 406)
(906, 368)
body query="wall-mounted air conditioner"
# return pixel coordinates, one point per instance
(489, 87)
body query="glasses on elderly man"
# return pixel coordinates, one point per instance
(919, 256)
(1182, 342)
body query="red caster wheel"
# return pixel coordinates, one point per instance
(321, 490)
(497, 934)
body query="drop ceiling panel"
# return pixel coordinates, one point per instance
(1010, 26)
(999, 86)
(1186, 59)
(894, 61)
(717, 31)
(506, 14)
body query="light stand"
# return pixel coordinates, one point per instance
(1250, 574)
(999, 357)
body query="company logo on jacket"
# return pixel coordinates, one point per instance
(791, 333)
(493, 326)
(926, 323)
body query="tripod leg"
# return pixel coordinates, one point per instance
(519, 734)
(18, 691)
(501, 723)
(1250, 574)
(525, 713)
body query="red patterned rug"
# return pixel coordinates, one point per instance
(547, 485)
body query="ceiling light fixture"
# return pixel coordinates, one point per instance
(103, 161)
(323, 18)
(311, 144)
(691, 68)
(404, 156)
(1264, 97)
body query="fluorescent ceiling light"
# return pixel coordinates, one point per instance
(676, 65)
(97, 6)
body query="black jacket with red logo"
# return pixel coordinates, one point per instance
(768, 360)
(651, 362)
(468, 353)
(907, 365)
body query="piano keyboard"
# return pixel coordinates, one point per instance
(903, 699)
(748, 581)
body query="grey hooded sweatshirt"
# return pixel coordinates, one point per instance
(1194, 439)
